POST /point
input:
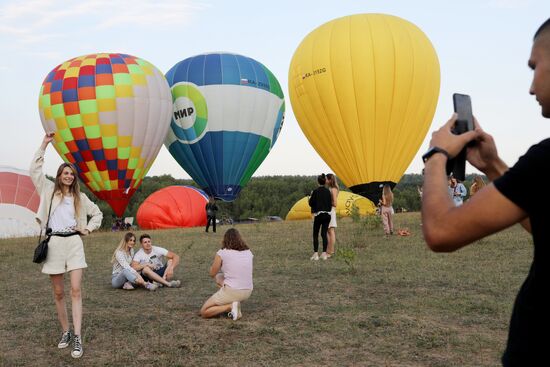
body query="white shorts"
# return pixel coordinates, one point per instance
(226, 295)
(332, 223)
(64, 254)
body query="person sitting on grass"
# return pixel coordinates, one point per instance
(149, 261)
(124, 276)
(232, 272)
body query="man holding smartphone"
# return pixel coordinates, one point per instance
(499, 205)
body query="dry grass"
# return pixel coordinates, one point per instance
(402, 306)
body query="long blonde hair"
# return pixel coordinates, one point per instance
(331, 180)
(122, 245)
(74, 189)
(388, 195)
(477, 185)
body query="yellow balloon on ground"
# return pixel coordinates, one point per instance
(344, 206)
(364, 89)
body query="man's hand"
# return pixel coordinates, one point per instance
(451, 143)
(484, 156)
(168, 274)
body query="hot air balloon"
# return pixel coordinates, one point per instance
(173, 207)
(347, 201)
(18, 204)
(364, 90)
(110, 113)
(228, 112)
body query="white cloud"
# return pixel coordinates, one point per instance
(39, 20)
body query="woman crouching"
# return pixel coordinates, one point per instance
(232, 272)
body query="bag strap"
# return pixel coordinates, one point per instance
(47, 221)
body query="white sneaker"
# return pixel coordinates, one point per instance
(315, 257)
(77, 347)
(235, 313)
(128, 286)
(151, 286)
(175, 284)
(324, 256)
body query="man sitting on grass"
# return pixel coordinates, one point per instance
(149, 260)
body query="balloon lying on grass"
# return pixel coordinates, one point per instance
(110, 113)
(228, 112)
(18, 204)
(173, 207)
(364, 89)
(348, 204)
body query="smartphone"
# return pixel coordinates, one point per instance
(464, 122)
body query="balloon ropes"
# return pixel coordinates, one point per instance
(228, 112)
(173, 207)
(110, 113)
(18, 204)
(345, 207)
(364, 89)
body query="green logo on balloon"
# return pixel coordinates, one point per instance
(190, 112)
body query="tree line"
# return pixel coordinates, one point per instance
(263, 196)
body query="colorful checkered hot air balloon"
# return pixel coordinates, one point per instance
(228, 112)
(110, 113)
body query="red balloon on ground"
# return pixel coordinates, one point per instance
(173, 207)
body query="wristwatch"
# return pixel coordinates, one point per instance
(432, 151)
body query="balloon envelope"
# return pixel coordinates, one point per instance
(228, 112)
(18, 204)
(364, 90)
(110, 113)
(344, 207)
(173, 207)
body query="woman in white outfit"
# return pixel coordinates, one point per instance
(334, 190)
(68, 221)
(124, 276)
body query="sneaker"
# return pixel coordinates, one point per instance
(77, 347)
(324, 256)
(151, 286)
(315, 257)
(128, 286)
(159, 285)
(65, 339)
(175, 284)
(235, 313)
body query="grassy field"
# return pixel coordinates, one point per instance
(394, 303)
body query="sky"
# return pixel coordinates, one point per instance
(483, 47)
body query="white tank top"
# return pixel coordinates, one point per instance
(62, 218)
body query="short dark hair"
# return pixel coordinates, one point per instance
(143, 236)
(543, 28)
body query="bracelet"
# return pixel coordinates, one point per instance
(434, 150)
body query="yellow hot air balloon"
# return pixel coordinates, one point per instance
(344, 206)
(364, 89)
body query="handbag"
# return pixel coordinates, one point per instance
(41, 251)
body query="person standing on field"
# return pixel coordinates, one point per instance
(503, 202)
(211, 210)
(334, 190)
(65, 211)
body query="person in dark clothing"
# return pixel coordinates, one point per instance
(320, 202)
(211, 209)
(505, 201)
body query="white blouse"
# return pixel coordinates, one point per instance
(62, 219)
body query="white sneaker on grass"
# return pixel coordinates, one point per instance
(324, 256)
(315, 257)
(235, 313)
(175, 284)
(65, 339)
(77, 347)
(128, 286)
(151, 286)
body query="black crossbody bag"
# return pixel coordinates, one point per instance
(41, 251)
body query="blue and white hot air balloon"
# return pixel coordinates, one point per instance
(228, 112)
